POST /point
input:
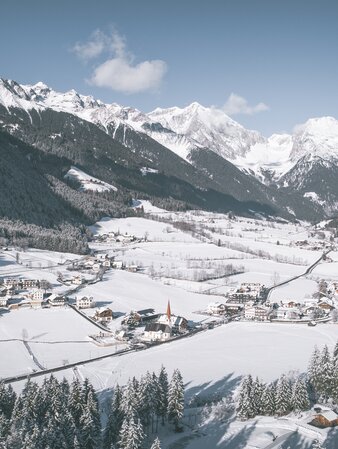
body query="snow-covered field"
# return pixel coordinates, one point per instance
(169, 256)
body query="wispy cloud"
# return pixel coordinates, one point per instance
(119, 72)
(236, 105)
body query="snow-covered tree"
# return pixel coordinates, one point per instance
(300, 397)
(268, 400)
(131, 434)
(283, 396)
(115, 419)
(162, 394)
(314, 371)
(258, 389)
(156, 444)
(245, 404)
(90, 426)
(176, 399)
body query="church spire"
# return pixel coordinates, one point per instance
(168, 311)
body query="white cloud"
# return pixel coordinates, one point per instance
(236, 104)
(93, 48)
(120, 75)
(119, 72)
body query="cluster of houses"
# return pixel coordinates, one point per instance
(16, 293)
(247, 291)
(117, 237)
(284, 311)
(94, 264)
(313, 246)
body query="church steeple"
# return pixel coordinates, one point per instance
(168, 311)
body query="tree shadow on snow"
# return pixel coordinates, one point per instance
(331, 441)
(211, 391)
(296, 441)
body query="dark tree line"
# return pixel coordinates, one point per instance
(63, 415)
(139, 407)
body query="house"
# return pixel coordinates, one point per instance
(84, 302)
(77, 280)
(36, 303)
(56, 300)
(37, 294)
(118, 264)
(138, 317)
(25, 284)
(216, 308)
(132, 268)
(10, 282)
(258, 313)
(327, 418)
(233, 307)
(157, 332)
(325, 305)
(3, 301)
(104, 315)
(286, 313)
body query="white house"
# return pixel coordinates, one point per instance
(118, 264)
(258, 313)
(84, 302)
(216, 308)
(37, 294)
(3, 301)
(157, 332)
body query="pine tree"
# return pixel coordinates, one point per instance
(90, 426)
(130, 398)
(245, 404)
(283, 396)
(300, 397)
(162, 394)
(314, 372)
(75, 402)
(268, 401)
(176, 399)
(326, 370)
(115, 419)
(131, 434)
(156, 444)
(258, 390)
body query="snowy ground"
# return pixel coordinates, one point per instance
(212, 361)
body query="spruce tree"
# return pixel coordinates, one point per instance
(176, 399)
(300, 397)
(268, 401)
(162, 394)
(115, 419)
(283, 396)
(156, 444)
(245, 404)
(314, 372)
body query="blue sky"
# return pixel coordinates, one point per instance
(271, 64)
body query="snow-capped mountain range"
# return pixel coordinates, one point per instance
(183, 130)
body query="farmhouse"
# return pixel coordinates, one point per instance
(84, 302)
(138, 317)
(327, 418)
(56, 300)
(104, 315)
